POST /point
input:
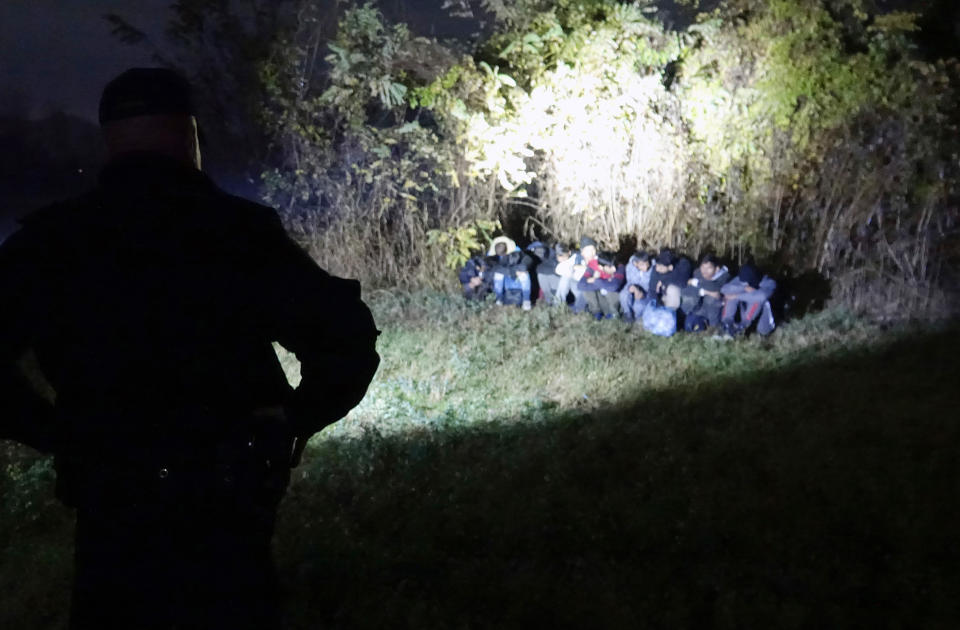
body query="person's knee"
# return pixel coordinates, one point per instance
(613, 303)
(688, 304)
(766, 323)
(729, 310)
(671, 297)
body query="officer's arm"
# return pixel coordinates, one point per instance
(25, 414)
(322, 320)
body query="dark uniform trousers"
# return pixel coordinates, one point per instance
(177, 543)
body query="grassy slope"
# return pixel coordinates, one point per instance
(512, 469)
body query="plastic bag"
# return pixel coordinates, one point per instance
(660, 320)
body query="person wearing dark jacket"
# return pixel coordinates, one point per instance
(550, 275)
(670, 275)
(149, 308)
(475, 279)
(600, 286)
(543, 264)
(748, 295)
(701, 300)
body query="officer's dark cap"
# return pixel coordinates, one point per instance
(146, 92)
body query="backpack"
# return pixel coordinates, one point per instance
(660, 320)
(695, 323)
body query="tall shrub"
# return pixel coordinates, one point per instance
(362, 175)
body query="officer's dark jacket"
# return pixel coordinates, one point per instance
(151, 304)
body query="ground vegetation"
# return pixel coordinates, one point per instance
(512, 469)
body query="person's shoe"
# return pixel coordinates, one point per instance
(732, 329)
(526, 305)
(610, 316)
(499, 302)
(598, 316)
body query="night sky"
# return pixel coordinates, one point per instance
(58, 54)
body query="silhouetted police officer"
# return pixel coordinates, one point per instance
(147, 309)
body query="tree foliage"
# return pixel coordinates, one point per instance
(808, 134)
(362, 174)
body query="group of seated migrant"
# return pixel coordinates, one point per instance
(662, 292)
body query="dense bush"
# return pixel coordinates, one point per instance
(362, 176)
(809, 135)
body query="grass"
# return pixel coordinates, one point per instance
(513, 469)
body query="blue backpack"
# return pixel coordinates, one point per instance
(660, 320)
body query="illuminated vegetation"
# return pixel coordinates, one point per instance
(812, 135)
(808, 134)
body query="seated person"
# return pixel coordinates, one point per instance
(669, 276)
(547, 277)
(566, 264)
(636, 292)
(701, 300)
(749, 294)
(475, 279)
(573, 273)
(600, 286)
(511, 277)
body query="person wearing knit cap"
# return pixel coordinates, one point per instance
(747, 301)
(547, 277)
(702, 301)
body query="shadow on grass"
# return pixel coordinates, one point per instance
(824, 494)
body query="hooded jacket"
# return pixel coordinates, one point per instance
(546, 265)
(681, 272)
(506, 240)
(635, 277)
(720, 278)
(510, 263)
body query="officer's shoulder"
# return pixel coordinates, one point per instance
(250, 212)
(59, 212)
(61, 218)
